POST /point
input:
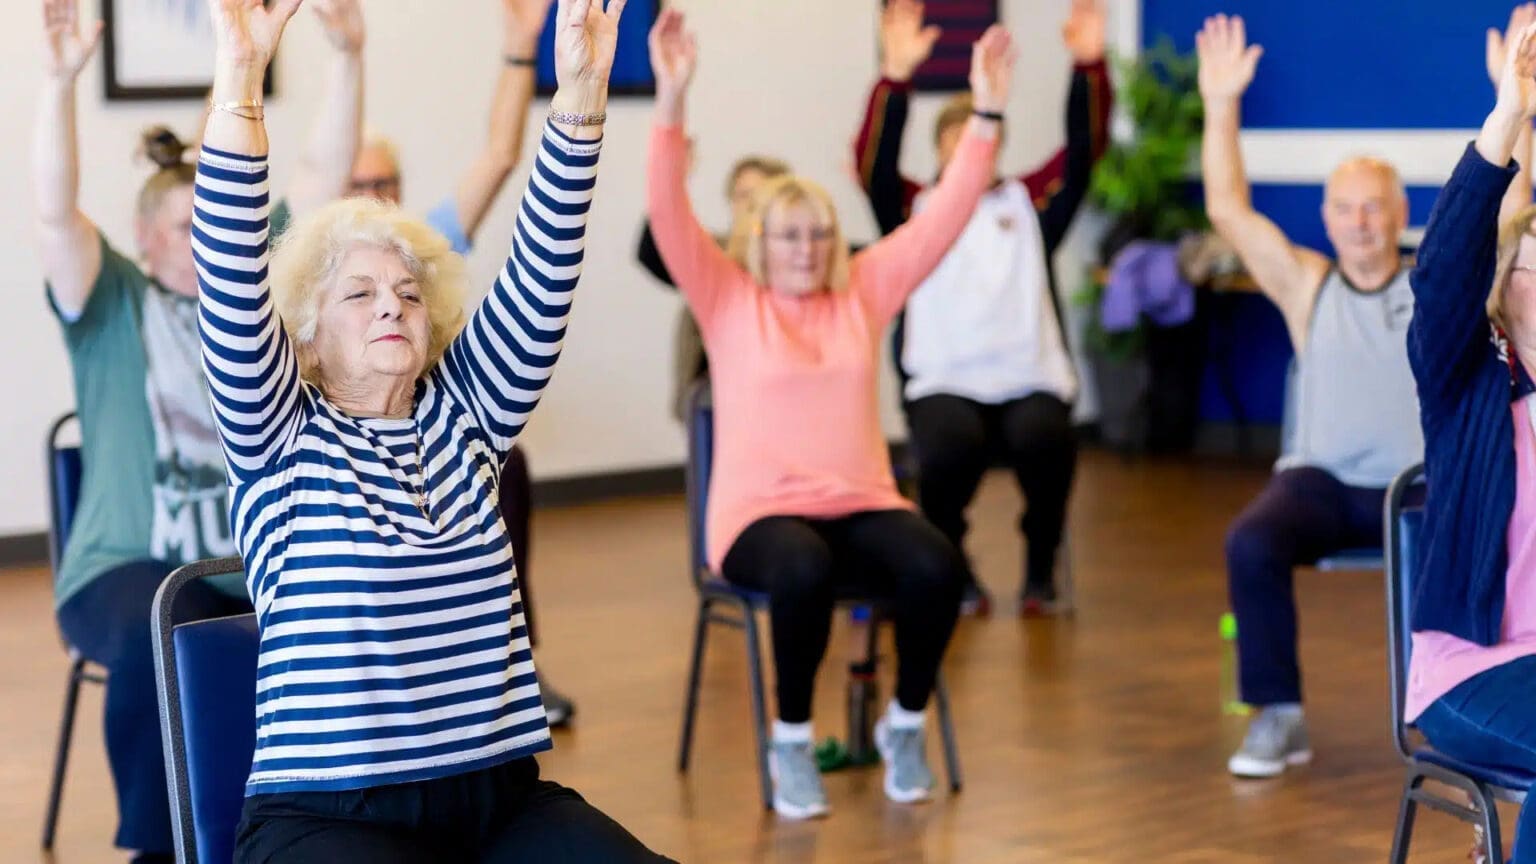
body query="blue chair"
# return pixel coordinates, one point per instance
(205, 675)
(64, 471)
(1404, 520)
(720, 602)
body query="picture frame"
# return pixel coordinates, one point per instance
(159, 50)
(962, 22)
(631, 74)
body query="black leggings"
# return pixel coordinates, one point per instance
(805, 565)
(499, 815)
(955, 440)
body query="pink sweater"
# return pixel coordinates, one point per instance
(1440, 661)
(797, 422)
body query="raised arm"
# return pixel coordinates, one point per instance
(478, 188)
(501, 362)
(1519, 195)
(1059, 186)
(1289, 275)
(251, 368)
(1456, 262)
(904, 45)
(68, 242)
(698, 266)
(325, 169)
(887, 272)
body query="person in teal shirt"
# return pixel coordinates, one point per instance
(153, 493)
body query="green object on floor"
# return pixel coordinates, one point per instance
(1228, 626)
(831, 756)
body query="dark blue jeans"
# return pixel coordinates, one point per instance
(1490, 719)
(1302, 515)
(107, 621)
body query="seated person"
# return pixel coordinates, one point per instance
(802, 502)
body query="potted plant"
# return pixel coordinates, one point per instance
(1143, 185)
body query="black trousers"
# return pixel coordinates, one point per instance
(956, 440)
(499, 815)
(107, 621)
(804, 565)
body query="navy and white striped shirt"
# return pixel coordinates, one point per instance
(393, 642)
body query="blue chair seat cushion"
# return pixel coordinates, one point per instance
(1505, 778)
(216, 677)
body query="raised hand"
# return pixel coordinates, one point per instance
(585, 38)
(1495, 52)
(674, 53)
(247, 31)
(1517, 85)
(67, 50)
(1084, 31)
(1227, 61)
(343, 23)
(992, 59)
(904, 42)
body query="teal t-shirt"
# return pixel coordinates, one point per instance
(113, 522)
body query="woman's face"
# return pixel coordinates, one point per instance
(797, 248)
(373, 324)
(1520, 295)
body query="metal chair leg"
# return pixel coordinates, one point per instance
(1489, 808)
(691, 698)
(61, 752)
(759, 710)
(1407, 809)
(947, 733)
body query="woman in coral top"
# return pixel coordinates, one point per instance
(802, 503)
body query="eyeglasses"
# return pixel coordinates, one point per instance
(793, 237)
(378, 186)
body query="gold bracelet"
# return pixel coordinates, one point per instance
(250, 109)
(570, 119)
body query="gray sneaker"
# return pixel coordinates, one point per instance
(797, 790)
(907, 776)
(1277, 738)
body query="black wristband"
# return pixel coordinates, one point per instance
(510, 60)
(989, 115)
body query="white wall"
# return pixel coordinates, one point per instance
(785, 77)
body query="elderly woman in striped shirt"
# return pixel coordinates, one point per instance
(364, 424)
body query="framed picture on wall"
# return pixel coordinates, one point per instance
(159, 49)
(631, 61)
(962, 23)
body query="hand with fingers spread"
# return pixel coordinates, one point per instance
(343, 23)
(674, 54)
(67, 49)
(1517, 83)
(905, 43)
(992, 60)
(586, 35)
(1496, 50)
(1084, 31)
(246, 32)
(1227, 61)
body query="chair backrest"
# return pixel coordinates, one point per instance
(701, 452)
(205, 673)
(64, 470)
(1404, 523)
(1288, 411)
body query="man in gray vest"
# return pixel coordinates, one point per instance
(1356, 412)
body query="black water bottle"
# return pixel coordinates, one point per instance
(863, 701)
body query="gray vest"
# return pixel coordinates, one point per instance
(1355, 408)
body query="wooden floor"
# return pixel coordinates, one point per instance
(1099, 739)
